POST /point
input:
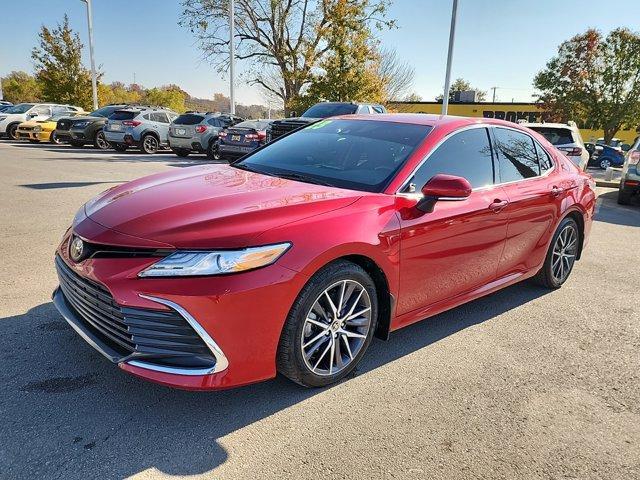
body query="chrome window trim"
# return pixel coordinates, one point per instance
(221, 360)
(487, 187)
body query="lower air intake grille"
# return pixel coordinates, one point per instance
(161, 337)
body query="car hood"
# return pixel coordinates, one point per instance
(30, 123)
(212, 206)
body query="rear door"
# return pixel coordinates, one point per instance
(535, 195)
(455, 248)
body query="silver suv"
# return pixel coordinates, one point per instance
(197, 132)
(146, 128)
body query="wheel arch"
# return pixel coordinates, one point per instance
(578, 217)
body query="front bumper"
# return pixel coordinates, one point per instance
(41, 136)
(64, 135)
(222, 310)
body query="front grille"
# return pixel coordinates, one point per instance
(63, 125)
(279, 129)
(161, 337)
(26, 129)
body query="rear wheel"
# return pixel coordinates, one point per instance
(150, 144)
(561, 255)
(11, 131)
(119, 147)
(213, 152)
(100, 142)
(181, 152)
(329, 327)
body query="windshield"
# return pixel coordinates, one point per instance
(324, 110)
(355, 154)
(20, 108)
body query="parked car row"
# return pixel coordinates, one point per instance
(151, 128)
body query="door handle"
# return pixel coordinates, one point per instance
(556, 191)
(497, 205)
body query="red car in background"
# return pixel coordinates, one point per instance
(293, 258)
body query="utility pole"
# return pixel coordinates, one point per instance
(94, 84)
(494, 94)
(232, 60)
(447, 78)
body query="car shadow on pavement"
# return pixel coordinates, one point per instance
(609, 211)
(82, 417)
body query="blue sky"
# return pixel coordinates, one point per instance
(499, 43)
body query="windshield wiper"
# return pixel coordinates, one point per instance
(303, 178)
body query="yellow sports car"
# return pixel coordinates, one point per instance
(43, 130)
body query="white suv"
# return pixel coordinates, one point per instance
(22, 112)
(566, 138)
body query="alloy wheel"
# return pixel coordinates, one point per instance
(564, 253)
(604, 164)
(101, 142)
(336, 327)
(150, 144)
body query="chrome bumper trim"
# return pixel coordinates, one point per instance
(221, 360)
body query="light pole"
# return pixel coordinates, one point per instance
(447, 78)
(232, 62)
(94, 85)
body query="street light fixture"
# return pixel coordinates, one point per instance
(94, 85)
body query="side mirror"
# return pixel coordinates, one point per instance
(443, 188)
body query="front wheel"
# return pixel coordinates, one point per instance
(150, 144)
(561, 255)
(54, 138)
(605, 163)
(100, 142)
(11, 131)
(329, 327)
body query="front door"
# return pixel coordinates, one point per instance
(455, 248)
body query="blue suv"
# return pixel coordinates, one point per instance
(146, 128)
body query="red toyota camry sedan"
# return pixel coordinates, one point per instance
(292, 259)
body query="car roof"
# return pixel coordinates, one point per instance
(429, 119)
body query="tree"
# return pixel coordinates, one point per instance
(461, 85)
(412, 97)
(169, 96)
(397, 76)
(284, 39)
(20, 87)
(118, 92)
(348, 71)
(58, 66)
(594, 79)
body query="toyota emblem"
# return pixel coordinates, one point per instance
(76, 249)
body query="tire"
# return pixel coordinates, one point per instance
(624, 198)
(181, 153)
(548, 275)
(213, 153)
(605, 163)
(100, 142)
(11, 131)
(54, 138)
(119, 147)
(76, 143)
(344, 338)
(149, 144)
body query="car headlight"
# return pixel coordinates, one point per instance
(186, 263)
(80, 124)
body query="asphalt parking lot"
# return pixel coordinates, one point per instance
(524, 383)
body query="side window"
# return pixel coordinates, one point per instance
(377, 109)
(60, 109)
(160, 117)
(364, 109)
(214, 122)
(148, 116)
(543, 158)
(466, 154)
(42, 110)
(517, 154)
